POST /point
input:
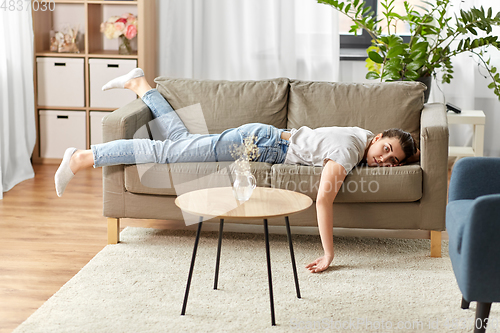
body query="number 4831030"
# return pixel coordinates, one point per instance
(20, 5)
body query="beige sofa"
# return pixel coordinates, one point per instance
(405, 197)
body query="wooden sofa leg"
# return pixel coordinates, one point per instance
(113, 230)
(435, 244)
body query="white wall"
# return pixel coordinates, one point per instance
(353, 71)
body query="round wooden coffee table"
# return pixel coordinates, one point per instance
(264, 203)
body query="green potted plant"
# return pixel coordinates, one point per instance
(434, 39)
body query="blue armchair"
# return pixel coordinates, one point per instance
(473, 225)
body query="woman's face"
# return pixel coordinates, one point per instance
(384, 152)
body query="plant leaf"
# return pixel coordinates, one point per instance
(418, 55)
(375, 57)
(412, 75)
(395, 51)
(415, 65)
(372, 76)
(420, 46)
(472, 30)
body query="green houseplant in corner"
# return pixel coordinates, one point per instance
(435, 38)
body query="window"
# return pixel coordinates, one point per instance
(349, 40)
(363, 39)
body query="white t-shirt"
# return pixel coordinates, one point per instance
(344, 145)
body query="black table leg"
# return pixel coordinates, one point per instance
(217, 262)
(271, 298)
(289, 236)
(183, 312)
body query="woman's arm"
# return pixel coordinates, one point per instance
(332, 178)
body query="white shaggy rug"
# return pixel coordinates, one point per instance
(374, 285)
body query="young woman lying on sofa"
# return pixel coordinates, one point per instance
(336, 149)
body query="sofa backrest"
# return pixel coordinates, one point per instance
(229, 104)
(294, 103)
(375, 106)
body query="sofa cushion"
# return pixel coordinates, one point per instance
(363, 184)
(179, 178)
(375, 106)
(229, 104)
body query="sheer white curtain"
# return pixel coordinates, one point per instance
(17, 115)
(248, 40)
(469, 88)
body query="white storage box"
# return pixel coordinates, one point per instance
(60, 82)
(104, 70)
(60, 130)
(96, 126)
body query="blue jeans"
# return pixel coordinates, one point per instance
(181, 146)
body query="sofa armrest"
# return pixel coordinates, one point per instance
(473, 177)
(120, 124)
(125, 121)
(480, 251)
(483, 230)
(434, 164)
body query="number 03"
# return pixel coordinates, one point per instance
(43, 5)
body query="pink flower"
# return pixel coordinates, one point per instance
(128, 16)
(117, 26)
(131, 32)
(122, 20)
(120, 26)
(131, 20)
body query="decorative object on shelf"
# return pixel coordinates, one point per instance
(64, 42)
(124, 27)
(435, 38)
(54, 44)
(244, 182)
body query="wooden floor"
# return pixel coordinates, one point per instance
(45, 240)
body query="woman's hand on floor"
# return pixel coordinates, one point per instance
(320, 264)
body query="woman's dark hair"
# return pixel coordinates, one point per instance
(408, 145)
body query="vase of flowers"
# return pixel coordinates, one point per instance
(124, 47)
(124, 28)
(243, 181)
